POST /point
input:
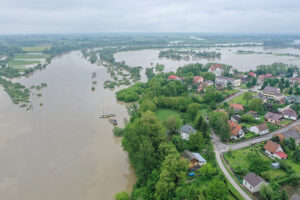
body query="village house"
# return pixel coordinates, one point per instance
(292, 133)
(205, 84)
(253, 114)
(236, 107)
(195, 159)
(274, 150)
(252, 74)
(260, 129)
(236, 130)
(273, 117)
(223, 81)
(253, 182)
(236, 118)
(216, 69)
(186, 131)
(271, 90)
(173, 77)
(289, 114)
(294, 80)
(198, 79)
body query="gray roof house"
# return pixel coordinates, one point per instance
(273, 117)
(292, 133)
(289, 114)
(195, 158)
(186, 130)
(253, 182)
(271, 90)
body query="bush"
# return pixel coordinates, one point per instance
(122, 196)
(118, 131)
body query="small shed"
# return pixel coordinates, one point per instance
(275, 165)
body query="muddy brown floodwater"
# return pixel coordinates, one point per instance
(62, 150)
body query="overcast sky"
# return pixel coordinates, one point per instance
(89, 16)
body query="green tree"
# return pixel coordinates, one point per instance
(266, 192)
(173, 174)
(122, 196)
(219, 122)
(173, 124)
(256, 105)
(256, 163)
(207, 171)
(216, 190)
(193, 110)
(247, 96)
(196, 141)
(296, 155)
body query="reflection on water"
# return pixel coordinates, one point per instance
(62, 150)
(241, 62)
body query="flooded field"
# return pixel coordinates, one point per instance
(62, 150)
(242, 62)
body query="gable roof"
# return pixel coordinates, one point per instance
(290, 134)
(253, 179)
(273, 116)
(236, 117)
(271, 146)
(187, 129)
(234, 127)
(215, 67)
(237, 106)
(192, 156)
(198, 78)
(270, 89)
(289, 112)
(252, 74)
(173, 77)
(262, 127)
(296, 128)
(281, 154)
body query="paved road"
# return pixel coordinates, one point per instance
(255, 140)
(229, 178)
(222, 148)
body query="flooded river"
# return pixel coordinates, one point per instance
(229, 56)
(62, 150)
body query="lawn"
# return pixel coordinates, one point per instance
(36, 48)
(31, 56)
(285, 122)
(295, 166)
(163, 114)
(239, 99)
(22, 62)
(239, 160)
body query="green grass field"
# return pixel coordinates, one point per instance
(285, 122)
(18, 63)
(36, 48)
(31, 56)
(239, 99)
(163, 114)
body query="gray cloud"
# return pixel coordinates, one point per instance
(66, 16)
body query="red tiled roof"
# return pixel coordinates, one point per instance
(215, 66)
(252, 74)
(268, 75)
(271, 146)
(252, 112)
(281, 154)
(198, 78)
(173, 77)
(234, 127)
(237, 106)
